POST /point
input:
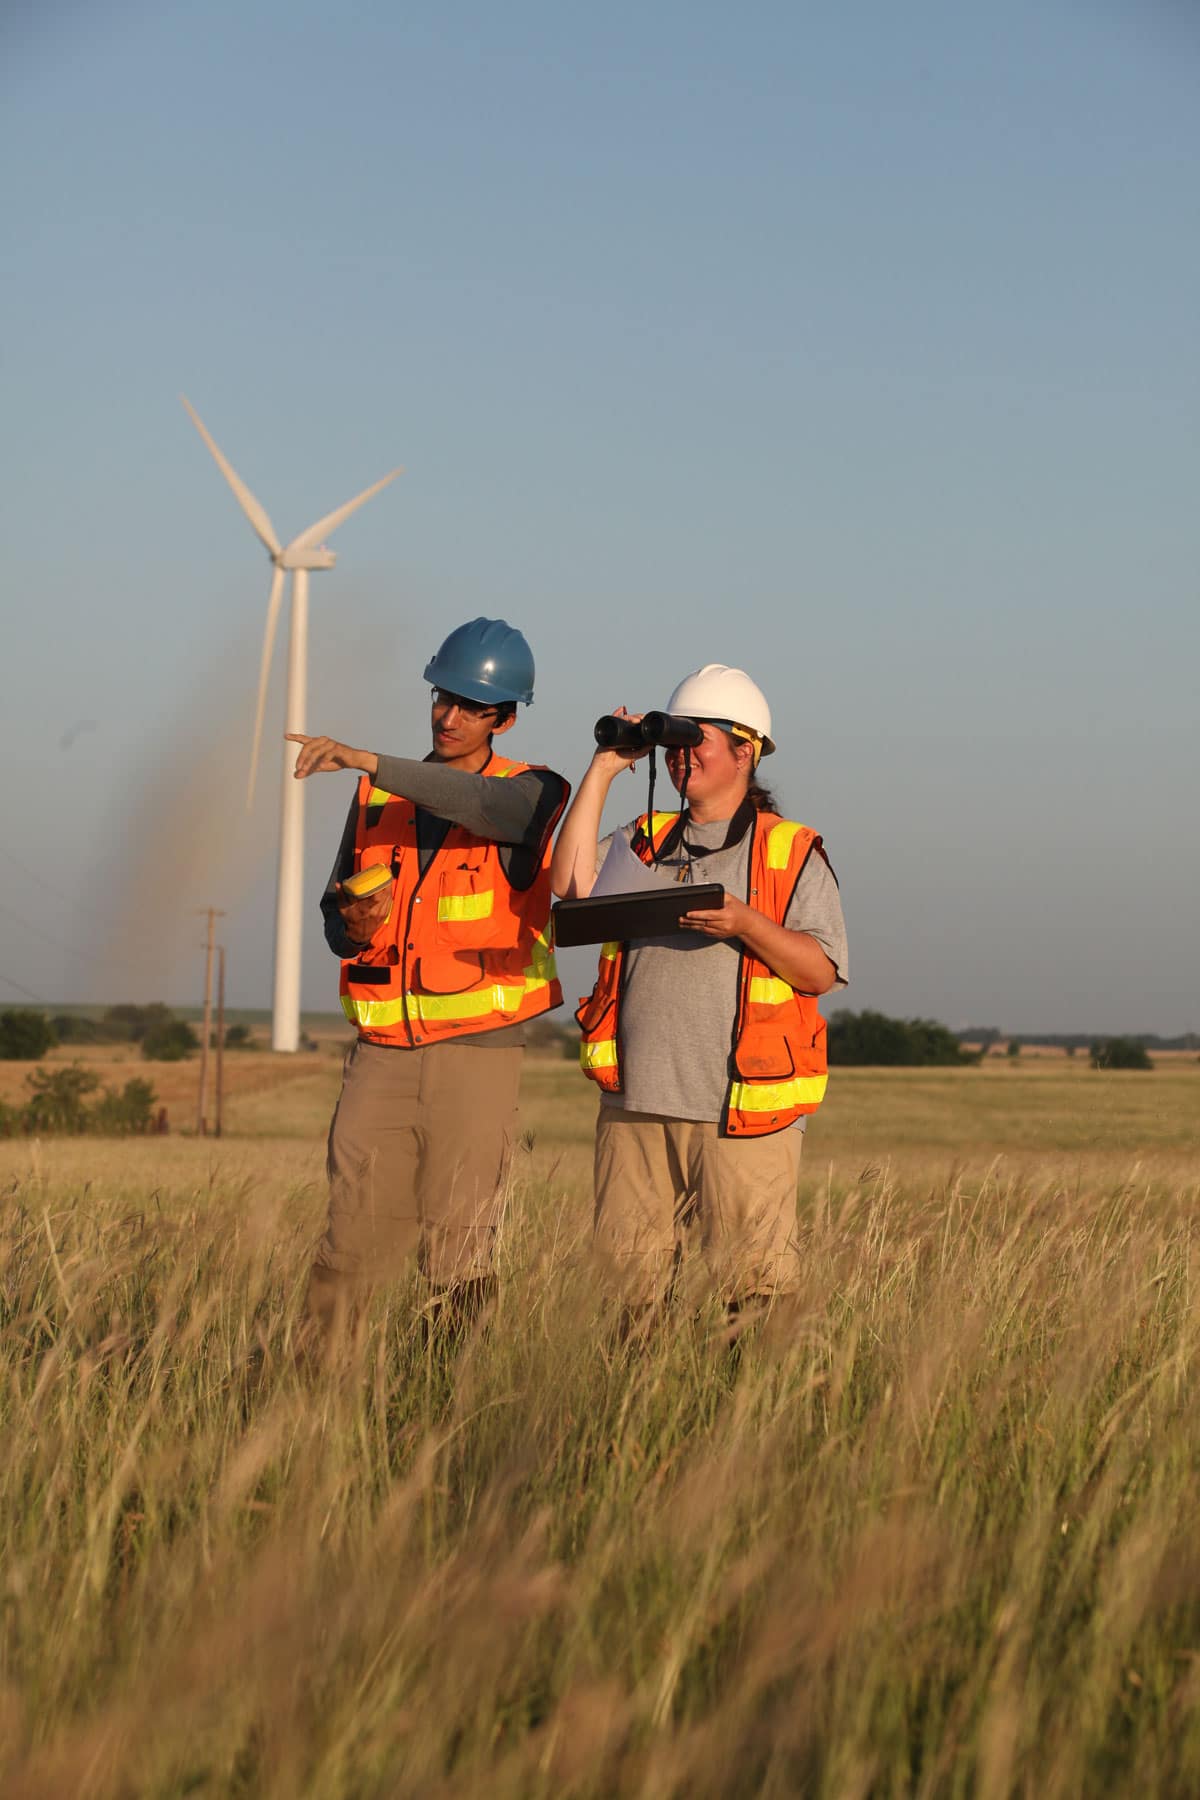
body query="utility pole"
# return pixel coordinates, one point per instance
(212, 913)
(220, 1037)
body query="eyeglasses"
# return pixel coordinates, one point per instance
(470, 709)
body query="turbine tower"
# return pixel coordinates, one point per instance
(302, 555)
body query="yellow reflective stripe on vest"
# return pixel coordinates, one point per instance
(498, 999)
(602, 1055)
(768, 990)
(458, 908)
(541, 968)
(379, 797)
(609, 952)
(779, 843)
(778, 1096)
(380, 1015)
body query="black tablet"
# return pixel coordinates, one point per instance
(651, 912)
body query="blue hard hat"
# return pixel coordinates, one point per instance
(486, 660)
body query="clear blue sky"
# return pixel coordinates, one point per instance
(854, 345)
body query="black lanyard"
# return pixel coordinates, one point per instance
(676, 838)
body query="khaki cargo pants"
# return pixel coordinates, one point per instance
(657, 1177)
(419, 1152)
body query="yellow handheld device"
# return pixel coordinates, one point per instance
(367, 881)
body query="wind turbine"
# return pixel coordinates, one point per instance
(303, 554)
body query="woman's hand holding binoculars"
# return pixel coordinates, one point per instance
(633, 734)
(619, 741)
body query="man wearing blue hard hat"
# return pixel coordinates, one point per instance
(438, 908)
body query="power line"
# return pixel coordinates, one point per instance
(57, 943)
(37, 998)
(129, 923)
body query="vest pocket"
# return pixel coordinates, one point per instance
(765, 1053)
(471, 910)
(594, 1009)
(444, 972)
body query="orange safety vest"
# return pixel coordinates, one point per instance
(777, 1063)
(461, 950)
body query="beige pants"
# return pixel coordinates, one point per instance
(418, 1160)
(655, 1177)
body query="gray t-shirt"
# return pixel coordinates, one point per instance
(679, 993)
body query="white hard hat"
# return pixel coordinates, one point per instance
(718, 692)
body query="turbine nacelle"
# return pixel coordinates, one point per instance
(316, 558)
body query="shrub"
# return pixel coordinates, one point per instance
(59, 1103)
(239, 1037)
(24, 1036)
(118, 1114)
(872, 1039)
(1014, 1048)
(169, 1040)
(1120, 1053)
(73, 1028)
(60, 1098)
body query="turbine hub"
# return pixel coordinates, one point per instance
(316, 557)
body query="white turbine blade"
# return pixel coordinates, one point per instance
(316, 534)
(264, 674)
(253, 508)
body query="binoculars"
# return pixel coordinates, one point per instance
(667, 731)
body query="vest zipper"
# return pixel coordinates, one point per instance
(412, 900)
(743, 987)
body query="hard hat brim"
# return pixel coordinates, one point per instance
(474, 690)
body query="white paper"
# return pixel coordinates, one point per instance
(624, 873)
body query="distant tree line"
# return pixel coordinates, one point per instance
(871, 1039)
(27, 1034)
(161, 1036)
(987, 1035)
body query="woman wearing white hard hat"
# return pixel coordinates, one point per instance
(707, 1045)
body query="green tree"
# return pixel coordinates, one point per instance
(872, 1039)
(59, 1099)
(24, 1036)
(1120, 1053)
(239, 1037)
(1014, 1048)
(129, 1024)
(118, 1114)
(73, 1028)
(170, 1040)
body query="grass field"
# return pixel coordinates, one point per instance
(933, 1529)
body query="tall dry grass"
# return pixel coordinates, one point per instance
(930, 1530)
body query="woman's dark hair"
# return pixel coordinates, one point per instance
(759, 795)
